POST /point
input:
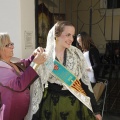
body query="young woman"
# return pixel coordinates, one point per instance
(91, 55)
(61, 101)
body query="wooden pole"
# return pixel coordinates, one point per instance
(77, 19)
(71, 12)
(90, 22)
(112, 21)
(119, 30)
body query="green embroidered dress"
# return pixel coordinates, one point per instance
(60, 104)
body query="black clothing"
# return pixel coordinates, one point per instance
(95, 61)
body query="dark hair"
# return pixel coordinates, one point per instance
(86, 40)
(60, 25)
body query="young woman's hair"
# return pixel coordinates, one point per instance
(60, 25)
(86, 40)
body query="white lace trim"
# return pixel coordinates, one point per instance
(36, 89)
(36, 92)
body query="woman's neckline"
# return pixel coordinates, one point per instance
(64, 58)
(12, 65)
(9, 63)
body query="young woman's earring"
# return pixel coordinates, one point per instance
(56, 39)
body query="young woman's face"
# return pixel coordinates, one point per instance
(67, 37)
(79, 40)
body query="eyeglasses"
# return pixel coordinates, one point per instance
(9, 45)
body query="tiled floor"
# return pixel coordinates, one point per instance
(111, 117)
(112, 99)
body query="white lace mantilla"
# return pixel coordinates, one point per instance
(36, 89)
(75, 62)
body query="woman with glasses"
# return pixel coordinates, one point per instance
(91, 55)
(15, 80)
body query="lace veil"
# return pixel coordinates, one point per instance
(36, 89)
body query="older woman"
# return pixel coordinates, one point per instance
(14, 81)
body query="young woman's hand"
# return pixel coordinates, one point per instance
(98, 117)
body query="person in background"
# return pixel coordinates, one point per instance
(91, 55)
(59, 100)
(15, 80)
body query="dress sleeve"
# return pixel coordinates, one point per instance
(21, 82)
(95, 58)
(92, 98)
(86, 85)
(27, 61)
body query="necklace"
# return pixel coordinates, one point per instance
(62, 58)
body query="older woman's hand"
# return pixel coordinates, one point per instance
(40, 58)
(38, 50)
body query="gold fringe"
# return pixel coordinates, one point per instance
(77, 86)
